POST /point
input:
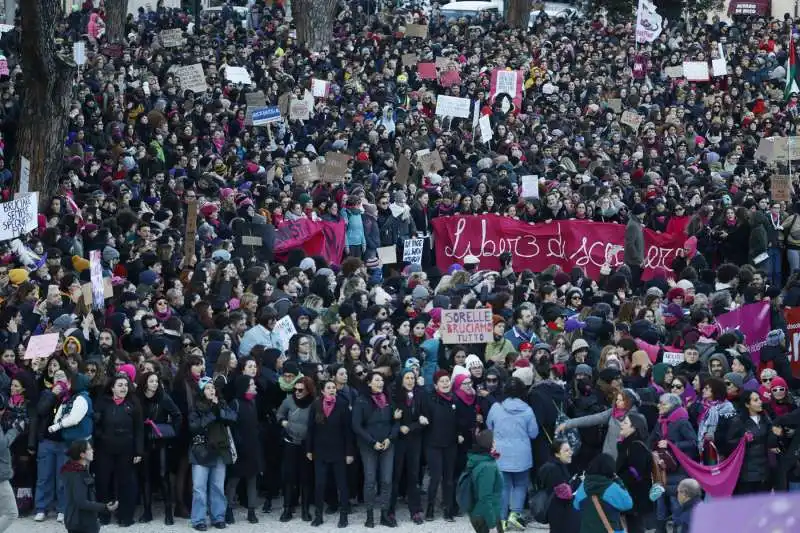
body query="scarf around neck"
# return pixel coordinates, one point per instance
(466, 397)
(379, 400)
(286, 385)
(328, 403)
(677, 414)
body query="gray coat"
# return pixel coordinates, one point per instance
(634, 242)
(604, 418)
(297, 418)
(6, 440)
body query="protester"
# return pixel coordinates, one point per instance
(81, 506)
(487, 484)
(601, 498)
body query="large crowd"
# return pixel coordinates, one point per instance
(182, 391)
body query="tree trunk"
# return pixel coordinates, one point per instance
(519, 13)
(116, 13)
(46, 96)
(314, 20)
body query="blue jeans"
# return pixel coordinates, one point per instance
(375, 463)
(794, 486)
(515, 488)
(774, 266)
(208, 483)
(50, 457)
(666, 506)
(794, 259)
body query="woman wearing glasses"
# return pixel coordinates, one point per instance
(293, 416)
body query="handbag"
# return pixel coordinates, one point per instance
(602, 514)
(161, 431)
(540, 505)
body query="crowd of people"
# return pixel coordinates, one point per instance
(180, 393)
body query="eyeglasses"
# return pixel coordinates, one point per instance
(778, 389)
(361, 373)
(677, 386)
(385, 346)
(299, 389)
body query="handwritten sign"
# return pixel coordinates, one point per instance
(299, 110)
(191, 230)
(452, 106)
(505, 82)
(431, 162)
(632, 119)
(673, 358)
(417, 30)
(19, 216)
(409, 60)
(387, 255)
(238, 75)
(530, 187)
(305, 173)
(79, 53)
(192, 78)
(486, 128)
(674, 72)
(335, 167)
(285, 330)
(412, 251)
(40, 346)
(781, 188)
(319, 88)
(466, 326)
(171, 38)
(696, 70)
(615, 105)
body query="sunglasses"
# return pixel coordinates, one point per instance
(491, 380)
(778, 389)
(300, 389)
(677, 386)
(766, 380)
(728, 384)
(362, 373)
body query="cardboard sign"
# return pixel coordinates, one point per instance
(251, 240)
(192, 78)
(632, 119)
(388, 255)
(450, 78)
(238, 75)
(88, 291)
(431, 162)
(305, 173)
(486, 128)
(319, 88)
(285, 330)
(79, 53)
(674, 72)
(426, 71)
(266, 115)
(19, 216)
(466, 326)
(412, 251)
(283, 103)
(696, 71)
(171, 38)
(615, 104)
(41, 346)
(335, 167)
(191, 230)
(299, 110)
(673, 358)
(409, 60)
(417, 30)
(452, 106)
(529, 186)
(403, 170)
(781, 188)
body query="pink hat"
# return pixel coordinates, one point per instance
(128, 369)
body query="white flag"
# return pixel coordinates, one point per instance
(648, 22)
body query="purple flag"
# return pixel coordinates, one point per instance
(754, 321)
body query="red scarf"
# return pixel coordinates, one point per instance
(466, 397)
(328, 403)
(448, 396)
(380, 400)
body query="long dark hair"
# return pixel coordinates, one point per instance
(319, 414)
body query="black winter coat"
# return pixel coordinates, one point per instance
(250, 459)
(634, 467)
(409, 413)
(372, 424)
(330, 440)
(466, 422)
(81, 505)
(681, 434)
(756, 455)
(161, 409)
(562, 516)
(119, 429)
(442, 428)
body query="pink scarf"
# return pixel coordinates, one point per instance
(118, 401)
(328, 403)
(717, 480)
(380, 400)
(465, 397)
(707, 405)
(679, 413)
(618, 413)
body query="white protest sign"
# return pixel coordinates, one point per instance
(673, 358)
(412, 251)
(41, 346)
(192, 78)
(719, 66)
(466, 326)
(238, 75)
(319, 88)
(19, 216)
(506, 83)
(24, 174)
(171, 38)
(530, 187)
(79, 53)
(696, 70)
(452, 106)
(285, 330)
(387, 255)
(96, 275)
(486, 128)
(476, 114)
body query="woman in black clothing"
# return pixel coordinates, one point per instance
(467, 420)
(442, 443)
(755, 472)
(185, 393)
(408, 402)
(375, 432)
(249, 463)
(634, 467)
(554, 477)
(329, 444)
(162, 421)
(82, 509)
(119, 437)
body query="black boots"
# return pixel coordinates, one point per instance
(317, 518)
(229, 516)
(305, 507)
(286, 515)
(370, 519)
(342, 519)
(429, 513)
(267, 507)
(388, 520)
(251, 516)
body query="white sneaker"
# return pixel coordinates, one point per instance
(39, 517)
(60, 518)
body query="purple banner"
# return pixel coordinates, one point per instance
(754, 321)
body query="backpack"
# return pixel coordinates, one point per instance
(572, 436)
(465, 491)
(540, 505)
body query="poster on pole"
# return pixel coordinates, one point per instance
(191, 231)
(412, 251)
(452, 106)
(285, 330)
(19, 216)
(466, 326)
(96, 275)
(319, 88)
(486, 128)
(24, 174)
(79, 53)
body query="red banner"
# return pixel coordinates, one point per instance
(325, 239)
(567, 243)
(792, 315)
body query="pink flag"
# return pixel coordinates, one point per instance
(717, 480)
(753, 320)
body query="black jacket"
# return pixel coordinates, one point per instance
(119, 428)
(441, 415)
(634, 465)
(466, 422)
(161, 409)
(562, 516)
(330, 440)
(372, 424)
(409, 413)
(250, 456)
(756, 461)
(81, 507)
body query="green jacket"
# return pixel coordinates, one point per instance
(488, 485)
(497, 351)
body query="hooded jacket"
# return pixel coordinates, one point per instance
(488, 487)
(613, 497)
(514, 428)
(79, 491)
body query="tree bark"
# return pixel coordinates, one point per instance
(518, 14)
(314, 21)
(46, 95)
(116, 13)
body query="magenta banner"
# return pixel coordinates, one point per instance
(754, 321)
(567, 243)
(315, 238)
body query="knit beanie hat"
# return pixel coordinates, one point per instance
(525, 374)
(472, 361)
(441, 373)
(459, 370)
(584, 369)
(736, 379)
(17, 276)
